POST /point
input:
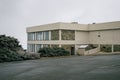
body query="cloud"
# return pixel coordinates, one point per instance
(16, 15)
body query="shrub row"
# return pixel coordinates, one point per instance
(53, 51)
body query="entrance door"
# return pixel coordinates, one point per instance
(72, 50)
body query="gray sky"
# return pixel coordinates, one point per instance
(16, 15)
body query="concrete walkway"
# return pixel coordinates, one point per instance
(105, 67)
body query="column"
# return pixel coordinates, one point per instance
(59, 38)
(112, 48)
(35, 48)
(60, 35)
(49, 35)
(99, 46)
(76, 49)
(34, 35)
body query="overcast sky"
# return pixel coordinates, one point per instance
(16, 15)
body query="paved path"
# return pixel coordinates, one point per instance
(70, 68)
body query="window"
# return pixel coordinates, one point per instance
(31, 47)
(106, 48)
(39, 35)
(31, 36)
(54, 45)
(38, 46)
(46, 35)
(46, 45)
(116, 48)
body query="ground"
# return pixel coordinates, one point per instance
(105, 67)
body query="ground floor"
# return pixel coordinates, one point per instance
(105, 67)
(35, 47)
(75, 49)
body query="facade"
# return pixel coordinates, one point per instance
(103, 36)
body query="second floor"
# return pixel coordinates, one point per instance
(75, 37)
(51, 35)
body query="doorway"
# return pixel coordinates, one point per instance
(72, 50)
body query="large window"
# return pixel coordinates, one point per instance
(38, 46)
(106, 48)
(31, 47)
(116, 48)
(46, 35)
(39, 35)
(31, 36)
(68, 35)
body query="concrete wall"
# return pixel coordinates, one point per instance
(56, 26)
(104, 26)
(46, 27)
(92, 51)
(83, 52)
(72, 26)
(106, 37)
(52, 42)
(81, 37)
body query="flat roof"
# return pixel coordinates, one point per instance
(75, 26)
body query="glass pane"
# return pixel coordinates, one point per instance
(38, 46)
(39, 36)
(46, 35)
(116, 48)
(106, 48)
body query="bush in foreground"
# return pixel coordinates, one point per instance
(52, 52)
(31, 56)
(9, 47)
(6, 55)
(10, 50)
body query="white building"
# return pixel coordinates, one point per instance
(71, 36)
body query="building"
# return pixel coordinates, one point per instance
(74, 37)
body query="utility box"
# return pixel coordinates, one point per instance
(81, 49)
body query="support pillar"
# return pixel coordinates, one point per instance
(59, 38)
(59, 35)
(49, 35)
(76, 49)
(112, 48)
(99, 46)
